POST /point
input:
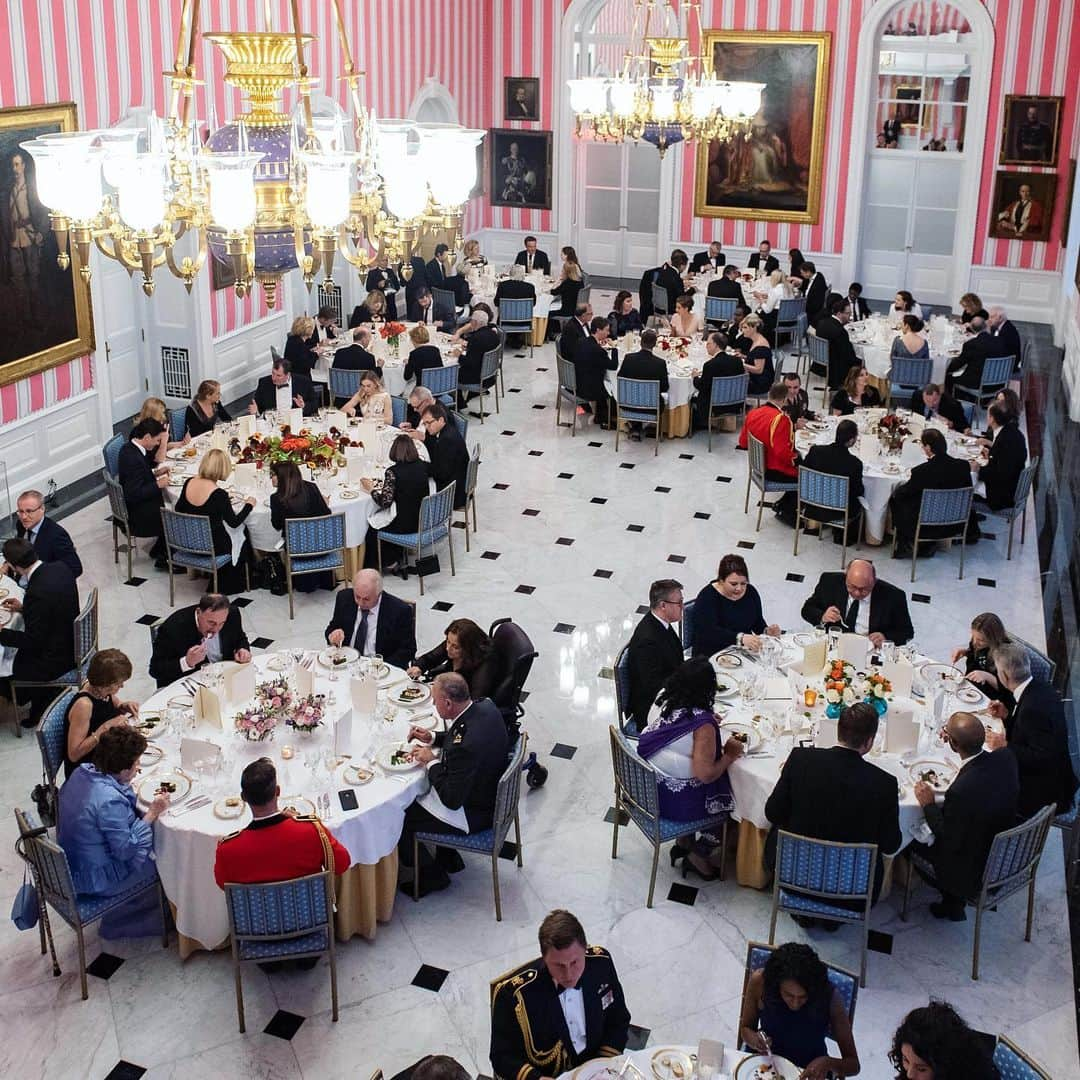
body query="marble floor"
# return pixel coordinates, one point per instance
(571, 534)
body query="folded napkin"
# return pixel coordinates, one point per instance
(304, 678)
(363, 693)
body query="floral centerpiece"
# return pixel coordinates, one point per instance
(892, 431)
(391, 333)
(301, 449)
(678, 346)
(838, 689)
(307, 714)
(875, 689)
(257, 721)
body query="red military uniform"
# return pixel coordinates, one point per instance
(772, 426)
(274, 848)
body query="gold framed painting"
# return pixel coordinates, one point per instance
(46, 310)
(1031, 132)
(773, 172)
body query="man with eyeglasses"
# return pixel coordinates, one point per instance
(51, 542)
(859, 602)
(655, 649)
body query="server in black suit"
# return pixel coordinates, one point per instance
(763, 260)
(560, 1010)
(670, 278)
(385, 279)
(1035, 734)
(1008, 337)
(142, 487)
(284, 389)
(833, 329)
(727, 286)
(930, 402)
(836, 794)
(203, 633)
(859, 602)
(592, 357)
(967, 368)
(1008, 456)
(418, 281)
(860, 309)
(980, 802)
(836, 459)
(655, 648)
(533, 259)
(713, 259)
(464, 782)
(939, 472)
(50, 540)
(439, 279)
(720, 364)
(816, 292)
(447, 450)
(372, 621)
(645, 364)
(574, 331)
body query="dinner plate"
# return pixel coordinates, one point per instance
(357, 775)
(176, 453)
(426, 720)
(151, 756)
(738, 728)
(3, 593)
(727, 660)
(385, 757)
(149, 785)
(757, 1068)
(891, 469)
(410, 694)
(300, 803)
(670, 1063)
(942, 772)
(802, 640)
(349, 494)
(599, 1069)
(346, 653)
(181, 701)
(726, 687)
(227, 812)
(5, 616)
(951, 676)
(970, 694)
(150, 725)
(277, 663)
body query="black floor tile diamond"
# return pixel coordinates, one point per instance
(989, 582)
(920, 598)
(723, 479)
(989, 536)
(262, 642)
(603, 573)
(530, 513)
(566, 476)
(627, 465)
(135, 582)
(507, 432)
(441, 605)
(596, 444)
(686, 457)
(637, 1038)
(146, 620)
(526, 590)
(242, 601)
(536, 453)
(284, 1024)
(563, 750)
(104, 966)
(500, 487)
(635, 528)
(125, 1070)
(541, 369)
(565, 541)
(430, 978)
(539, 406)
(598, 501)
(682, 894)
(676, 558)
(563, 628)
(880, 942)
(492, 555)
(701, 516)
(662, 490)
(514, 390)
(747, 544)
(795, 577)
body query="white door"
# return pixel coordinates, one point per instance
(618, 208)
(118, 302)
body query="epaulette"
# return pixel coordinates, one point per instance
(517, 979)
(231, 836)
(306, 817)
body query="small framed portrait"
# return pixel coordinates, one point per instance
(908, 99)
(222, 275)
(1031, 131)
(1023, 206)
(480, 187)
(520, 168)
(522, 99)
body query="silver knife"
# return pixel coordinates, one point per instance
(195, 804)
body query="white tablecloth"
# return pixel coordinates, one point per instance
(701, 282)
(9, 620)
(185, 845)
(680, 379)
(873, 340)
(484, 285)
(642, 1060)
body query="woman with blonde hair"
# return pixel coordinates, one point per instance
(758, 361)
(423, 354)
(205, 409)
(971, 307)
(569, 283)
(153, 408)
(372, 400)
(470, 256)
(769, 309)
(372, 310)
(298, 349)
(203, 496)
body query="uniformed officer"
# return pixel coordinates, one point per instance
(1034, 139)
(556, 1012)
(277, 845)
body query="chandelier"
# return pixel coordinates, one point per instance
(267, 192)
(663, 94)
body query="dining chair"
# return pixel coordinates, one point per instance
(686, 626)
(659, 300)
(442, 382)
(567, 390)
(51, 875)
(118, 517)
(824, 491)
(444, 303)
(638, 401)
(755, 474)
(516, 317)
(1016, 1064)
(817, 349)
(790, 324)
(908, 374)
(811, 875)
(636, 793)
(51, 740)
(177, 424)
(154, 629)
(489, 371)
(344, 383)
(282, 920)
(111, 453)
(727, 390)
(1011, 865)
(502, 356)
(942, 508)
(487, 841)
(719, 309)
(472, 471)
(461, 422)
(399, 410)
(1042, 667)
(313, 545)
(436, 512)
(621, 678)
(190, 544)
(996, 373)
(1018, 507)
(513, 645)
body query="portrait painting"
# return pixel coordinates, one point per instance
(522, 99)
(1070, 190)
(222, 274)
(1031, 130)
(907, 105)
(1023, 206)
(46, 309)
(480, 187)
(520, 168)
(772, 170)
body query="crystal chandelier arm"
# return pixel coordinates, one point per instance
(189, 268)
(351, 74)
(360, 259)
(305, 88)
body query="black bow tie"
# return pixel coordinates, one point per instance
(562, 989)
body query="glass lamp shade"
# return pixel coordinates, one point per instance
(402, 169)
(120, 146)
(623, 97)
(142, 184)
(394, 151)
(588, 97)
(705, 99)
(327, 197)
(741, 100)
(449, 156)
(232, 189)
(68, 173)
(406, 193)
(663, 102)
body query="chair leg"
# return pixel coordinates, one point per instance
(723, 850)
(472, 500)
(416, 868)
(760, 510)
(1031, 905)
(659, 426)
(558, 407)
(82, 961)
(168, 555)
(467, 547)
(450, 544)
(333, 978)
(239, 996)
(495, 882)
(709, 425)
(865, 948)
(615, 826)
(130, 552)
(1023, 524)
(775, 911)
(618, 425)
(1012, 524)
(116, 545)
(798, 529)
(975, 944)
(746, 501)
(288, 579)
(517, 839)
(652, 876)
(963, 544)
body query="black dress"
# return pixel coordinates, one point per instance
(983, 660)
(567, 291)
(197, 423)
(309, 503)
(299, 355)
(406, 486)
(101, 711)
(218, 508)
(483, 679)
(759, 384)
(843, 404)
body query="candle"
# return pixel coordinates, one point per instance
(287, 752)
(810, 697)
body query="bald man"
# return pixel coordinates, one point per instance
(980, 802)
(373, 621)
(859, 602)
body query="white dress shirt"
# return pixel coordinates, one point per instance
(367, 648)
(284, 397)
(1020, 689)
(212, 644)
(572, 1003)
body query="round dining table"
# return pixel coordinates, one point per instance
(873, 340)
(309, 766)
(675, 1062)
(9, 620)
(485, 282)
(677, 414)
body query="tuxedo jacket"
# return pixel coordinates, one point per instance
(948, 409)
(1037, 738)
(529, 1035)
(771, 263)
(1008, 456)
(973, 357)
(720, 366)
(46, 642)
(1008, 340)
(471, 362)
(653, 653)
(938, 473)
(474, 756)
(726, 289)
(420, 315)
(395, 631)
(860, 309)
(645, 365)
(591, 360)
(817, 294)
(573, 334)
(355, 358)
(888, 606)
(540, 261)
(53, 544)
(266, 394)
(703, 259)
(670, 280)
(838, 461)
(142, 496)
(841, 352)
(449, 460)
(178, 633)
(514, 290)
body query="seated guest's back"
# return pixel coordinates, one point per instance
(51, 541)
(720, 364)
(96, 708)
(727, 286)
(295, 497)
(836, 459)
(645, 364)
(447, 449)
(298, 349)
(358, 356)
(423, 354)
(1006, 460)
(142, 489)
(205, 409)
(481, 340)
(728, 611)
(204, 633)
(574, 331)
(655, 648)
(467, 650)
(940, 472)
(404, 487)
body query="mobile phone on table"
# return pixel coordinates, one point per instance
(348, 799)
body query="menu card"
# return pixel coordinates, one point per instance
(245, 426)
(827, 734)
(240, 683)
(246, 475)
(901, 729)
(368, 433)
(901, 674)
(217, 439)
(207, 706)
(304, 678)
(336, 418)
(343, 734)
(814, 657)
(354, 468)
(851, 648)
(363, 693)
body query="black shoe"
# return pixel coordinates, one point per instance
(805, 921)
(928, 550)
(432, 879)
(828, 925)
(449, 860)
(979, 517)
(161, 564)
(678, 852)
(689, 868)
(29, 722)
(943, 909)
(305, 963)
(903, 551)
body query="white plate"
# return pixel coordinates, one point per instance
(970, 694)
(151, 756)
(229, 813)
(727, 660)
(726, 687)
(952, 677)
(5, 616)
(146, 729)
(424, 694)
(149, 785)
(277, 663)
(670, 1063)
(176, 453)
(428, 721)
(802, 640)
(326, 657)
(349, 494)
(599, 1069)
(385, 754)
(945, 773)
(736, 727)
(302, 805)
(357, 775)
(748, 1069)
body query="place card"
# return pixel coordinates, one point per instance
(217, 439)
(814, 656)
(354, 468)
(343, 734)
(827, 736)
(363, 694)
(296, 419)
(207, 707)
(851, 648)
(304, 679)
(777, 687)
(901, 729)
(198, 752)
(337, 419)
(367, 432)
(246, 475)
(240, 683)
(901, 674)
(245, 427)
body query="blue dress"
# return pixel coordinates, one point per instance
(799, 1034)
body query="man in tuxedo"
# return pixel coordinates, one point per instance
(283, 389)
(560, 1010)
(463, 783)
(50, 605)
(51, 541)
(422, 310)
(837, 795)
(816, 292)
(833, 329)
(860, 309)
(797, 402)
(1008, 456)
(325, 329)
(447, 450)
(480, 338)
(533, 259)
(836, 459)
(720, 364)
(386, 279)
(372, 621)
(930, 402)
(1008, 337)
(1035, 734)
(670, 278)
(655, 649)
(727, 286)
(967, 368)
(644, 364)
(515, 287)
(763, 260)
(574, 331)
(204, 633)
(939, 472)
(418, 281)
(593, 356)
(420, 397)
(357, 357)
(980, 803)
(438, 278)
(859, 602)
(710, 260)
(142, 486)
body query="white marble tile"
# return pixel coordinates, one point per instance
(250, 1057)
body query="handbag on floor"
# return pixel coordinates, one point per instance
(25, 911)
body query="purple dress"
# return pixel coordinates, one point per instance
(669, 739)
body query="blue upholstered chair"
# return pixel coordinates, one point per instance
(472, 473)
(1018, 508)
(111, 454)
(442, 382)
(996, 373)
(344, 382)
(177, 418)
(118, 517)
(824, 491)
(817, 349)
(942, 508)
(811, 874)
(659, 300)
(791, 326)
(1011, 865)
(1016, 1064)
(190, 544)
(50, 739)
(621, 671)
(445, 305)
(436, 513)
(313, 545)
(489, 369)
(727, 390)
(461, 422)
(516, 317)
(686, 625)
(755, 474)
(567, 391)
(282, 920)
(52, 879)
(638, 400)
(488, 841)
(719, 309)
(636, 794)
(1042, 667)
(908, 374)
(399, 409)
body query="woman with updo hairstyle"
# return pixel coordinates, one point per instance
(96, 707)
(910, 344)
(205, 409)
